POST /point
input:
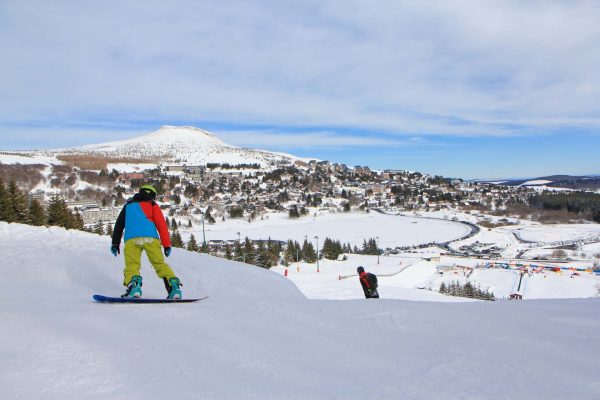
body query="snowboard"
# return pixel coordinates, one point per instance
(140, 300)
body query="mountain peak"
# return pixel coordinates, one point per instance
(172, 133)
(185, 144)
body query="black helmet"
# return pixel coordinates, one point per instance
(149, 190)
(360, 270)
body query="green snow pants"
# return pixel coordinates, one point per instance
(133, 258)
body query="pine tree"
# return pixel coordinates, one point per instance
(263, 258)
(6, 210)
(76, 220)
(19, 203)
(228, 254)
(293, 213)
(468, 290)
(209, 218)
(443, 288)
(176, 240)
(98, 229)
(109, 230)
(57, 212)
(289, 254)
(249, 251)
(237, 252)
(37, 215)
(289, 249)
(327, 250)
(60, 215)
(373, 250)
(310, 256)
(192, 244)
(365, 247)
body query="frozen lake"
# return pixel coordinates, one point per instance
(392, 230)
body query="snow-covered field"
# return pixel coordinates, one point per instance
(258, 337)
(409, 277)
(554, 233)
(352, 228)
(26, 157)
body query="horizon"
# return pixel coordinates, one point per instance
(476, 90)
(504, 178)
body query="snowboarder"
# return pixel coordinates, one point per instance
(368, 281)
(144, 223)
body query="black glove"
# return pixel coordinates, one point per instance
(115, 250)
(167, 251)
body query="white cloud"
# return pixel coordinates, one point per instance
(286, 140)
(417, 68)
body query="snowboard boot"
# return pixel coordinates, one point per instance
(134, 289)
(172, 285)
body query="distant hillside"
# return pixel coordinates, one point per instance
(556, 181)
(169, 144)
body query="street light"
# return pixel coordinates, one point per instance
(377, 245)
(203, 235)
(316, 237)
(240, 246)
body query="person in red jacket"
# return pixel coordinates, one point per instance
(144, 224)
(368, 281)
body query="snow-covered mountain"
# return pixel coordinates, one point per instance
(183, 144)
(258, 337)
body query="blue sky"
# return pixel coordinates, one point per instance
(474, 89)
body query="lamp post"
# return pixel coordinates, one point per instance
(377, 245)
(316, 237)
(240, 245)
(203, 236)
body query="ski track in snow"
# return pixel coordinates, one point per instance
(259, 337)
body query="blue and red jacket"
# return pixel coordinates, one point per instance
(141, 217)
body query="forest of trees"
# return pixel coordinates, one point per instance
(232, 166)
(15, 206)
(584, 204)
(466, 290)
(294, 252)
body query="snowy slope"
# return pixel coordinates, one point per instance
(257, 337)
(184, 144)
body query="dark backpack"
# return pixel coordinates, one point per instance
(372, 278)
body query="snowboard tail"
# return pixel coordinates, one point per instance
(107, 299)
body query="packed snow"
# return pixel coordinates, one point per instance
(258, 337)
